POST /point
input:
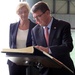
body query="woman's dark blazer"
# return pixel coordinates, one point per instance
(13, 34)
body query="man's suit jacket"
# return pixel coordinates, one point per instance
(60, 40)
(13, 34)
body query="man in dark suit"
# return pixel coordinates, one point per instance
(60, 42)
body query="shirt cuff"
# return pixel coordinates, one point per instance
(50, 51)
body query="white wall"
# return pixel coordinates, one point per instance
(7, 15)
(66, 17)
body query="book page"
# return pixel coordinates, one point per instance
(22, 50)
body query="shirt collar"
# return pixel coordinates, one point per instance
(50, 23)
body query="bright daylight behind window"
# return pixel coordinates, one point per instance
(7, 16)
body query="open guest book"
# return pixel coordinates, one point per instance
(33, 55)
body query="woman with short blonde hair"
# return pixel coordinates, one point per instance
(22, 4)
(20, 37)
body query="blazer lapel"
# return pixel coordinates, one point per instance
(15, 32)
(29, 34)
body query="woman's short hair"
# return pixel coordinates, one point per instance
(22, 4)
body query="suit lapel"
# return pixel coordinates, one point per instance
(53, 31)
(41, 31)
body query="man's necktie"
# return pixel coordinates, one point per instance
(46, 35)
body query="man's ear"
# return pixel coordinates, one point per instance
(48, 12)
